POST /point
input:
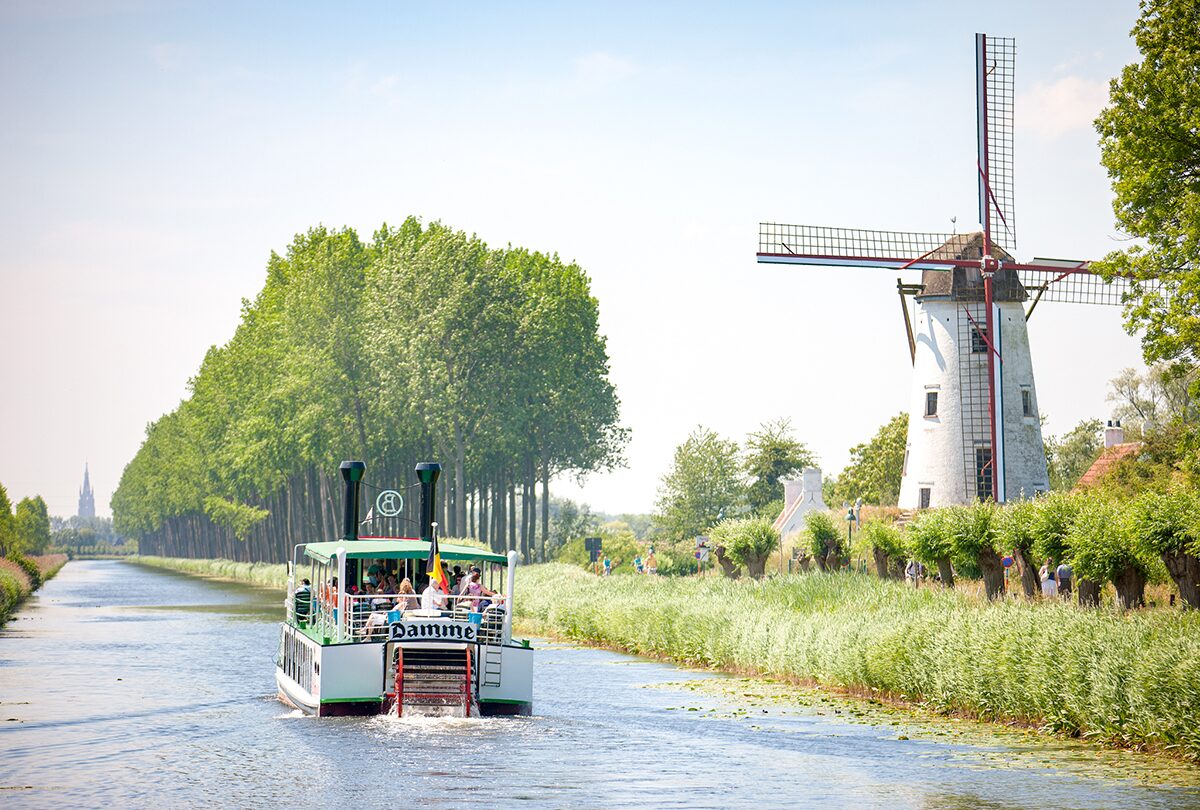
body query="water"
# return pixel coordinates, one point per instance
(124, 686)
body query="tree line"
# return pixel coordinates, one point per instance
(25, 530)
(422, 344)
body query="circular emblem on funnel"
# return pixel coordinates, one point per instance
(389, 503)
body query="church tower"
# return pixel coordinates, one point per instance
(87, 501)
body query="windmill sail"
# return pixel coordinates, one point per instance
(995, 58)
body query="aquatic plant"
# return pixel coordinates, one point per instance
(1131, 678)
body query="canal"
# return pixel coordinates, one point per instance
(127, 686)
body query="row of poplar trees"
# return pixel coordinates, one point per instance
(423, 344)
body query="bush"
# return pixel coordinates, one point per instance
(930, 537)
(885, 542)
(747, 541)
(1102, 550)
(1166, 525)
(30, 568)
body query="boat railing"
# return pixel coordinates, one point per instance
(367, 617)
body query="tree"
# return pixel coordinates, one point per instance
(1150, 145)
(886, 543)
(1167, 525)
(1102, 550)
(703, 486)
(8, 533)
(1069, 456)
(824, 539)
(747, 541)
(772, 454)
(875, 468)
(32, 525)
(930, 537)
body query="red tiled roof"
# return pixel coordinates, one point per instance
(1105, 462)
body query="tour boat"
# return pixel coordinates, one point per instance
(346, 652)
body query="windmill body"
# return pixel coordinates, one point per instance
(974, 430)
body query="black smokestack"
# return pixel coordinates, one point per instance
(427, 474)
(352, 474)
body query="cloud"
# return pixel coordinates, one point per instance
(1066, 105)
(601, 68)
(169, 56)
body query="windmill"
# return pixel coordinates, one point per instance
(974, 432)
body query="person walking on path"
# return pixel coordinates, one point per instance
(1064, 575)
(1049, 583)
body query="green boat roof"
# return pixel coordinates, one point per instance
(389, 549)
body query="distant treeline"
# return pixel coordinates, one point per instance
(423, 344)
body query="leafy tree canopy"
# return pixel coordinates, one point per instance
(773, 454)
(875, 468)
(703, 486)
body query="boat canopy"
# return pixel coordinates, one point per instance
(388, 549)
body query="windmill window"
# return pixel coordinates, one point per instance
(1026, 402)
(983, 474)
(904, 469)
(923, 503)
(931, 398)
(978, 344)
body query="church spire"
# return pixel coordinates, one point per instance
(87, 500)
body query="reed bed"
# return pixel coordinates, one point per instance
(268, 575)
(18, 580)
(1130, 678)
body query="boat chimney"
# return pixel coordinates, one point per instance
(352, 474)
(1113, 433)
(427, 474)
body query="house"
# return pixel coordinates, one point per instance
(800, 496)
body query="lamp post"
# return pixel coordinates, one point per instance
(849, 529)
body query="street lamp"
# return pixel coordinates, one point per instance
(849, 528)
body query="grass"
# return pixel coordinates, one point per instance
(1130, 679)
(15, 583)
(268, 575)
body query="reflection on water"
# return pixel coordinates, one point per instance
(130, 686)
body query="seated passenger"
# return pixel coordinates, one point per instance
(302, 601)
(408, 597)
(432, 597)
(475, 587)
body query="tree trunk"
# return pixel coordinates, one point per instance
(545, 508)
(1029, 574)
(728, 567)
(945, 571)
(881, 562)
(993, 572)
(819, 559)
(1131, 588)
(1185, 570)
(756, 567)
(1089, 593)
(460, 482)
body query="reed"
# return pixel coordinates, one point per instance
(1127, 678)
(21, 577)
(268, 575)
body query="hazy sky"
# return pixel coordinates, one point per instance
(153, 154)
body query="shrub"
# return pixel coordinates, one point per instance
(930, 537)
(885, 542)
(1015, 529)
(1167, 525)
(30, 568)
(1102, 550)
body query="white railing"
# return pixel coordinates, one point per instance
(367, 617)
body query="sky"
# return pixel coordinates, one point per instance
(154, 154)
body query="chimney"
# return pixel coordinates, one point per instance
(792, 489)
(427, 474)
(352, 474)
(812, 487)
(1114, 434)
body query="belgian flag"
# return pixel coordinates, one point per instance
(433, 566)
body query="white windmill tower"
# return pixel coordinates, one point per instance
(974, 432)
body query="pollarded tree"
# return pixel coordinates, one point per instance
(747, 541)
(1167, 525)
(1101, 550)
(824, 539)
(930, 537)
(973, 540)
(886, 542)
(703, 487)
(772, 454)
(1016, 533)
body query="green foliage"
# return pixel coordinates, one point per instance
(747, 541)
(1099, 543)
(703, 486)
(239, 518)
(617, 543)
(885, 536)
(1052, 517)
(822, 532)
(875, 468)
(1069, 456)
(931, 535)
(773, 454)
(32, 524)
(1165, 523)
(1126, 678)
(29, 567)
(268, 575)
(422, 343)
(8, 529)
(1149, 146)
(972, 529)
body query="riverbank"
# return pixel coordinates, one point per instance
(267, 575)
(17, 581)
(1129, 679)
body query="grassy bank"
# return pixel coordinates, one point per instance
(17, 581)
(267, 575)
(1129, 679)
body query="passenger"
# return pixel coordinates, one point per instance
(432, 597)
(1049, 584)
(475, 588)
(389, 585)
(456, 579)
(1065, 575)
(651, 562)
(408, 597)
(302, 601)
(375, 573)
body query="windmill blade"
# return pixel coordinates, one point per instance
(995, 58)
(1072, 281)
(857, 247)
